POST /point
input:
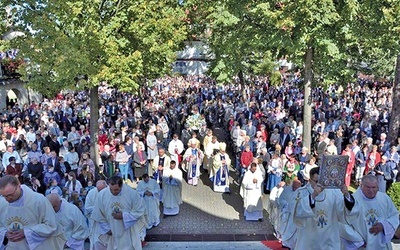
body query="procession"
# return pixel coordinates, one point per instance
(146, 155)
(129, 125)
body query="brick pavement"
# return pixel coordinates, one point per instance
(206, 215)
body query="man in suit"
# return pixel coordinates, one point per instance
(383, 144)
(54, 144)
(113, 111)
(320, 146)
(284, 139)
(241, 119)
(125, 122)
(274, 125)
(40, 142)
(67, 123)
(58, 118)
(250, 129)
(356, 135)
(53, 161)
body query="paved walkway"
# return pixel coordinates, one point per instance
(209, 216)
(206, 215)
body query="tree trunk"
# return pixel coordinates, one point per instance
(94, 125)
(395, 114)
(242, 85)
(308, 79)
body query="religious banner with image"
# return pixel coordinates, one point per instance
(332, 171)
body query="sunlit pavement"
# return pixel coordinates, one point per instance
(396, 244)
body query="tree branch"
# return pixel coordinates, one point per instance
(247, 17)
(116, 8)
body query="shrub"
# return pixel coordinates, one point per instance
(394, 194)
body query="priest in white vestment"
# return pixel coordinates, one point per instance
(372, 221)
(120, 212)
(72, 222)
(221, 164)
(286, 228)
(210, 150)
(160, 162)
(319, 215)
(91, 198)
(272, 207)
(27, 218)
(172, 189)
(252, 194)
(150, 191)
(207, 138)
(175, 149)
(193, 158)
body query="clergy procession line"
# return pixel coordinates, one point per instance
(118, 215)
(311, 217)
(307, 217)
(154, 140)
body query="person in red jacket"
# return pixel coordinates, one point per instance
(246, 159)
(373, 159)
(350, 165)
(14, 169)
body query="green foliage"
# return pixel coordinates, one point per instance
(265, 65)
(275, 78)
(394, 194)
(234, 39)
(377, 30)
(122, 42)
(292, 27)
(4, 45)
(245, 33)
(3, 29)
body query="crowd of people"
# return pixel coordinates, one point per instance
(166, 134)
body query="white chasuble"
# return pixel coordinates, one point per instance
(367, 212)
(73, 224)
(319, 226)
(126, 232)
(34, 214)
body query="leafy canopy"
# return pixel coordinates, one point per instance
(121, 42)
(377, 28)
(293, 27)
(250, 35)
(235, 40)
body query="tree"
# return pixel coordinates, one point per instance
(3, 30)
(234, 39)
(377, 29)
(315, 34)
(77, 44)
